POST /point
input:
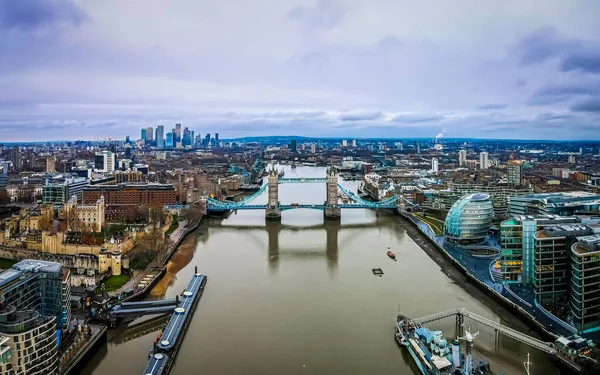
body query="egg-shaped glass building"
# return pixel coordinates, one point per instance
(469, 219)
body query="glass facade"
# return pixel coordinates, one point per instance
(469, 219)
(41, 286)
(585, 283)
(517, 244)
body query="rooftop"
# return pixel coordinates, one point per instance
(31, 265)
(587, 244)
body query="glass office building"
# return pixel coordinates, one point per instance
(40, 286)
(585, 279)
(517, 243)
(562, 204)
(469, 219)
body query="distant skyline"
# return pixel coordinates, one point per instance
(86, 69)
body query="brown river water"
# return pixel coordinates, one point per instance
(300, 297)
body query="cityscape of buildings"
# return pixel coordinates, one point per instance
(535, 205)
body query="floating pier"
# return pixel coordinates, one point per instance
(165, 350)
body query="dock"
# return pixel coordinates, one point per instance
(165, 350)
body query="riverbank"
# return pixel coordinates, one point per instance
(515, 316)
(160, 268)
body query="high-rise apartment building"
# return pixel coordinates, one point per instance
(160, 136)
(585, 294)
(143, 135)
(41, 286)
(34, 303)
(293, 145)
(462, 158)
(16, 159)
(217, 142)
(483, 160)
(515, 172)
(344, 143)
(435, 165)
(313, 148)
(354, 143)
(170, 140)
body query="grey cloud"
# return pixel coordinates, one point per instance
(539, 46)
(326, 14)
(588, 105)
(582, 61)
(493, 106)
(32, 14)
(359, 115)
(559, 93)
(416, 118)
(554, 116)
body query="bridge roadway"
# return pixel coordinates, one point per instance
(131, 309)
(285, 207)
(514, 334)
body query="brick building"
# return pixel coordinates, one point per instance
(130, 194)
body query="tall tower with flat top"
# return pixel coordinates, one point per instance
(332, 209)
(273, 211)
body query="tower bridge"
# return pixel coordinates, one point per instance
(331, 207)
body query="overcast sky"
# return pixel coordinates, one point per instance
(86, 69)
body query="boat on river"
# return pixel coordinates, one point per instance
(391, 255)
(433, 355)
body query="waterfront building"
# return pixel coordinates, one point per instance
(515, 172)
(498, 192)
(585, 278)
(551, 262)
(59, 192)
(5, 357)
(27, 342)
(378, 187)
(131, 194)
(563, 203)
(517, 243)
(483, 160)
(40, 286)
(469, 219)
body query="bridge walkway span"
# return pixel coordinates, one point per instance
(512, 333)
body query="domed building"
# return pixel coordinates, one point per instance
(469, 219)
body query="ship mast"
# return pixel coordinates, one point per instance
(526, 364)
(468, 369)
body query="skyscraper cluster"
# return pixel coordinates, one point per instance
(176, 138)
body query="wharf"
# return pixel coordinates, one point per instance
(77, 360)
(165, 350)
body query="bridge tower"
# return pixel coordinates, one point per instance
(273, 212)
(401, 203)
(332, 210)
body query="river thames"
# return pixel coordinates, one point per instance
(300, 297)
